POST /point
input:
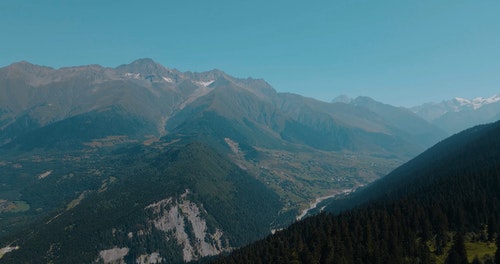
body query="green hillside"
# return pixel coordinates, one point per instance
(427, 211)
(115, 213)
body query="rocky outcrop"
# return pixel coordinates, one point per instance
(114, 255)
(152, 258)
(184, 219)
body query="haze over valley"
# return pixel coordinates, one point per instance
(191, 164)
(249, 132)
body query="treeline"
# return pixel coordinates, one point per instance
(412, 230)
(420, 221)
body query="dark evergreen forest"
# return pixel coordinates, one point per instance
(449, 197)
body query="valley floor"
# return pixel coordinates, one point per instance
(318, 200)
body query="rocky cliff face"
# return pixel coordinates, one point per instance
(184, 221)
(181, 220)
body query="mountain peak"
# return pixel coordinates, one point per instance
(342, 99)
(26, 70)
(21, 64)
(145, 62)
(477, 102)
(221, 81)
(364, 100)
(145, 66)
(207, 75)
(26, 65)
(217, 72)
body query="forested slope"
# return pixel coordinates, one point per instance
(178, 204)
(455, 194)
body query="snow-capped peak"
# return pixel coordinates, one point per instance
(169, 80)
(478, 102)
(205, 84)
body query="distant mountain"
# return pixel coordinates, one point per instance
(404, 120)
(368, 126)
(425, 211)
(35, 96)
(75, 137)
(87, 106)
(457, 114)
(342, 99)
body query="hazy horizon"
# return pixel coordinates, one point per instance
(399, 53)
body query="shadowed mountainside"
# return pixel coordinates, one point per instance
(423, 212)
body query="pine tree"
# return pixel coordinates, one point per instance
(492, 227)
(476, 260)
(457, 254)
(497, 254)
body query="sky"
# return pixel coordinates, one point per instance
(401, 52)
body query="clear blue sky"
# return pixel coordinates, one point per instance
(398, 52)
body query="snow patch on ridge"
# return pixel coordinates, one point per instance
(478, 102)
(136, 76)
(169, 80)
(204, 83)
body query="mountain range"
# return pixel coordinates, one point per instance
(34, 97)
(451, 116)
(182, 165)
(458, 114)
